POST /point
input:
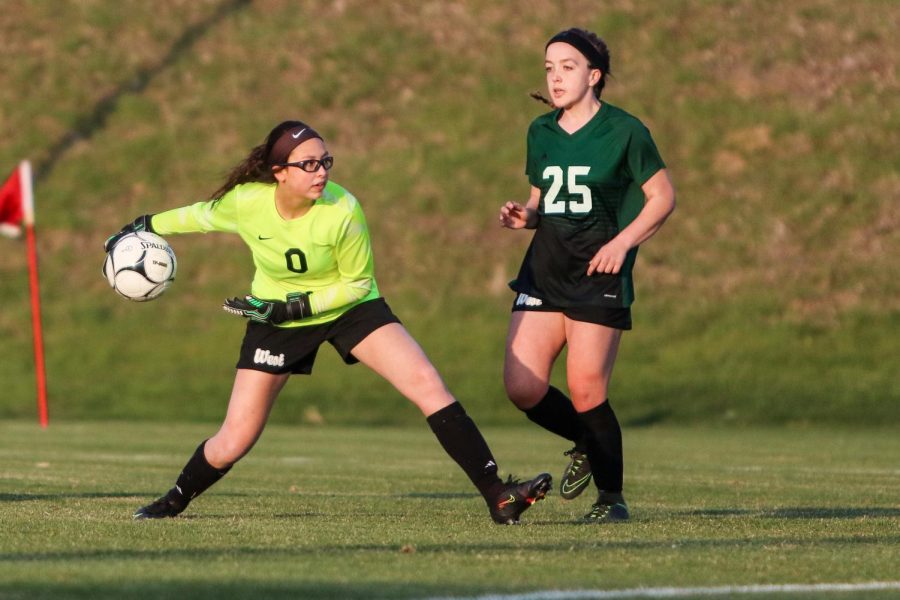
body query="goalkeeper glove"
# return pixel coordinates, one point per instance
(142, 223)
(270, 311)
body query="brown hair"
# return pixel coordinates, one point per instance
(257, 166)
(594, 50)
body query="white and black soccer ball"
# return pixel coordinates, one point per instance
(140, 266)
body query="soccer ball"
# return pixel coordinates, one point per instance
(140, 266)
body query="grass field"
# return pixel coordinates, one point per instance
(334, 512)
(772, 296)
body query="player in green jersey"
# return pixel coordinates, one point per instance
(598, 189)
(314, 282)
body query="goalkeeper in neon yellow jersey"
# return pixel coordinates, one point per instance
(319, 252)
(314, 282)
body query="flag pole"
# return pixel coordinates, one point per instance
(37, 334)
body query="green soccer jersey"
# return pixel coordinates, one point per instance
(590, 183)
(325, 253)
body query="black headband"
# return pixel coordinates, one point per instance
(581, 44)
(290, 139)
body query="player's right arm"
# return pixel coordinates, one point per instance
(210, 215)
(517, 216)
(514, 215)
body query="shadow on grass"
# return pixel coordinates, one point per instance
(312, 590)
(831, 513)
(798, 512)
(439, 495)
(358, 551)
(24, 497)
(7, 497)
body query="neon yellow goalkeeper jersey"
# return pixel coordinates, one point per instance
(325, 253)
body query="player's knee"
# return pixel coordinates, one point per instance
(426, 382)
(586, 393)
(524, 394)
(524, 385)
(524, 388)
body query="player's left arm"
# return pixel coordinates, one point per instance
(356, 267)
(659, 202)
(353, 252)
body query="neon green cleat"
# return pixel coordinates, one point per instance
(609, 508)
(577, 475)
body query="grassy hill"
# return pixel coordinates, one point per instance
(772, 294)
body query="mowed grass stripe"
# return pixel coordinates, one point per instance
(670, 592)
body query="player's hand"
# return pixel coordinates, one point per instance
(255, 309)
(273, 312)
(514, 216)
(609, 258)
(142, 223)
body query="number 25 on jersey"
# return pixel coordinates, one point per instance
(554, 205)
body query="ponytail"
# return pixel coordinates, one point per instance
(253, 168)
(540, 98)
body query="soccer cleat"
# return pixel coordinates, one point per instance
(609, 508)
(577, 475)
(518, 496)
(169, 505)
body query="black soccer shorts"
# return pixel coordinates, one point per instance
(293, 350)
(616, 318)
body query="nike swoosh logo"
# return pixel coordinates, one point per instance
(263, 238)
(566, 488)
(510, 500)
(298, 134)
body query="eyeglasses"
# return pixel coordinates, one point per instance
(312, 165)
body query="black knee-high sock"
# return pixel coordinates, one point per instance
(556, 414)
(460, 438)
(604, 447)
(197, 476)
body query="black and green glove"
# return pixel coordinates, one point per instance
(142, 223)
(270, 311)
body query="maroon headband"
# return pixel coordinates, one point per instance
(581, 44)
(290, 139)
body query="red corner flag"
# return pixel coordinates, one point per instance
(12, 201)
(17, 209)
